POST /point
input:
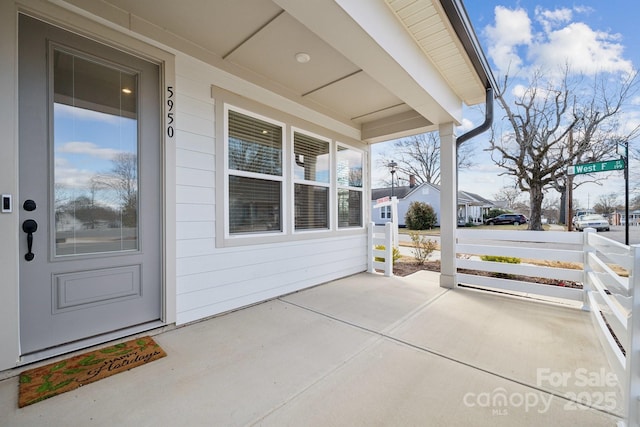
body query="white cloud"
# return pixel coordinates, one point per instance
(73, 178)
(514, 43)
(630, 123)
(550, 19)
(583, 49)
(89, 149)
(465, 126)
(539, 93)
(512, 29)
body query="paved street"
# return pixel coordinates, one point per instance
(617, 233)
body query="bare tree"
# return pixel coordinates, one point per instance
(554, 124)
(550, 207)
(123, 180)
(509, 195)
(606, 203)
(419, 155)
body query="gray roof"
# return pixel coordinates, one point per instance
(399, 192)
(403, 192)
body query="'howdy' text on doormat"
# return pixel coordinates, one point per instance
(47, 381)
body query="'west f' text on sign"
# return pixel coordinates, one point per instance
(610, 165)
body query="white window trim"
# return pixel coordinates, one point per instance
(282, 178)
(385, 212)
(225, 101)
(361, 189)
(329, 184)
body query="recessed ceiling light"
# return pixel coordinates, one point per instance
(303, 57)
(126, 90)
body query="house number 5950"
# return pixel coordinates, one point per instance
(170, 113)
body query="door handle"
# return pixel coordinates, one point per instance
(29, 227)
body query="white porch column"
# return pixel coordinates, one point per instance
(448, 206)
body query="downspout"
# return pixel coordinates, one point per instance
(488, 120)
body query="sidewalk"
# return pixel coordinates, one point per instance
(365, 350)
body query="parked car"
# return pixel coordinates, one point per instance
(596, 221)
(514, 219)
(580, 213)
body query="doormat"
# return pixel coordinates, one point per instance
(47, 381)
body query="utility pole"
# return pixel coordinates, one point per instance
(626, 192)
(570, 188)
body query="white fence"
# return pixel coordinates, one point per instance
(532, 245)
(612, 298)
(380, 236)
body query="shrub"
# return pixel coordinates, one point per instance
(420, 216)
(396, 254)
(495, 258)
(422, 247)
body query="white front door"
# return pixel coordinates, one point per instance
(90, 188)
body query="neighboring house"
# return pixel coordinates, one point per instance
(471, 207)
(231, 138)
(619, 218)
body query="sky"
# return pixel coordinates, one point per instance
(594, 36)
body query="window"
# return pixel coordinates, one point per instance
(385, 212)
(255, 174)
(311, 182)
(349, 179)
(284, 179)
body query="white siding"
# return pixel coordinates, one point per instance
(212, 280)
(425, 194)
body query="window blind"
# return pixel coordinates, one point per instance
(311, 158)
(311, 206)
(254, 145)
(254, 205)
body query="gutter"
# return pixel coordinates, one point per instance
(459, 19)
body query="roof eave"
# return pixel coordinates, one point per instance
(461, 23)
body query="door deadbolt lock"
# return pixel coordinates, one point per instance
(29, 205)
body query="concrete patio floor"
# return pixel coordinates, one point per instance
(366, 350)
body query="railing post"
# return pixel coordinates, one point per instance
(632, 381)
(395, 220)
(372, 227)
(388, 249)
(586, 286)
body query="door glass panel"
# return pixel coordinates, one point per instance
(95, 156)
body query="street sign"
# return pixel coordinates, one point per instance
(610, 165)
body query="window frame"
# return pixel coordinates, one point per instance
(328, 184)
(224, 101)
(385, 212)
(360, 189)
(255, 175)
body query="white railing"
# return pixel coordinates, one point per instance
(610, 277)
(521, 244)
(380, 236)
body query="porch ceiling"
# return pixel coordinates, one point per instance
(351, 75)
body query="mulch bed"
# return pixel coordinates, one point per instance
(406, 266)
